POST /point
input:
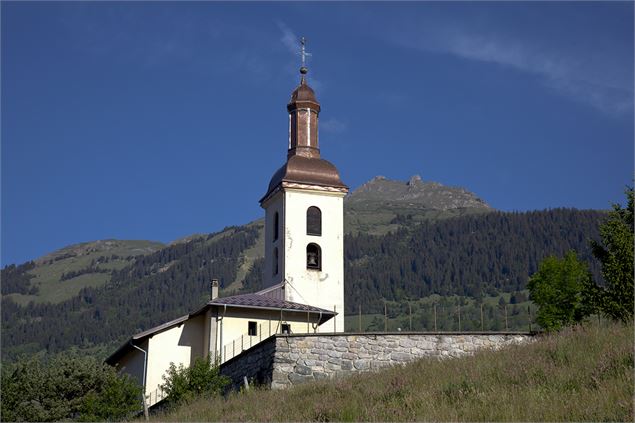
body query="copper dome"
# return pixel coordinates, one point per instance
(305, 170)
(303, 96)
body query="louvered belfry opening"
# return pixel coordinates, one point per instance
(314, 221)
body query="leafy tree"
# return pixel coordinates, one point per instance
(615, 253)
(557, 289)
(66, 388)
(185, 383)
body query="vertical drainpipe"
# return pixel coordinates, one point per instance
(212, 344)
(221, 334)
(145, 368)
(145, 363)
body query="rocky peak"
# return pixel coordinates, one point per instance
(415, 193)
(414, 180)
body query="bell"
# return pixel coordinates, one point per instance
(312, 259)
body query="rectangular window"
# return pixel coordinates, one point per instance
(252, 329)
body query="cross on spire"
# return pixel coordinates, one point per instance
(304, 55)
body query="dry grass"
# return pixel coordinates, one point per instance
(580, 374)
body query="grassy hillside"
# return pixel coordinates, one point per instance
(94, 260)
(580, 374)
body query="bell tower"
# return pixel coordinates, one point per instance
(304, 215)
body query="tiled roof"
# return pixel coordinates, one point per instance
(261, 301)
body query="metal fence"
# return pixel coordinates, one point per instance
(247, 340)
(463, 316)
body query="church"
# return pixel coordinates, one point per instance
(303, 273)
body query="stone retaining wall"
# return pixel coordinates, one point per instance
(256, 364)
(285, 360)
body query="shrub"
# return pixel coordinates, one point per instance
(557, 289)
(66, 388)
(185, 383)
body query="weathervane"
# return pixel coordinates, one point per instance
(304, 55)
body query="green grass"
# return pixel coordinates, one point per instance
(375, 218)
(581, 374)
(248, 257)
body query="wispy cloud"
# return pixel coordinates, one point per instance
(565, 74)
(594, 79)
(288, 38)
(333, 125)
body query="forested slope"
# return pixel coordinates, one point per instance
(474, 255)
(155, 288)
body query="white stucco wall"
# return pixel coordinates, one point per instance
(321, 288)
(235, 325)
(180, 344)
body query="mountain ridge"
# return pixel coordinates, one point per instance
(416, 193)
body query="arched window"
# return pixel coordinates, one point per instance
(276, 226)
(275, 261)
(313, 257)
(313, 221)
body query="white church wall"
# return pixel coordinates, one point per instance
(321, 288)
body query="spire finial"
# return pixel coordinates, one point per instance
(303, 53)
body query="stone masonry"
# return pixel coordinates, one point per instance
(285, 360)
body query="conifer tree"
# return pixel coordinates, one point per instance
(615, 253)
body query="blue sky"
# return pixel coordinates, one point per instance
(139, 120)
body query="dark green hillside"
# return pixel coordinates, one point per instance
(154, 288)
(469, 256)
(473, 256)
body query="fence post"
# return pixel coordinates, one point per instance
(529, 313)
(260, 331)
(482, 325)
(435, 318)
(242, 343)
(233, 348)
(360, 317)
(224, 357)
(385, 318)
(308, 322)
(410, 311)
(458, 308)
(506, 325)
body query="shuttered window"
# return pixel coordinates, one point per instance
(314, 221)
